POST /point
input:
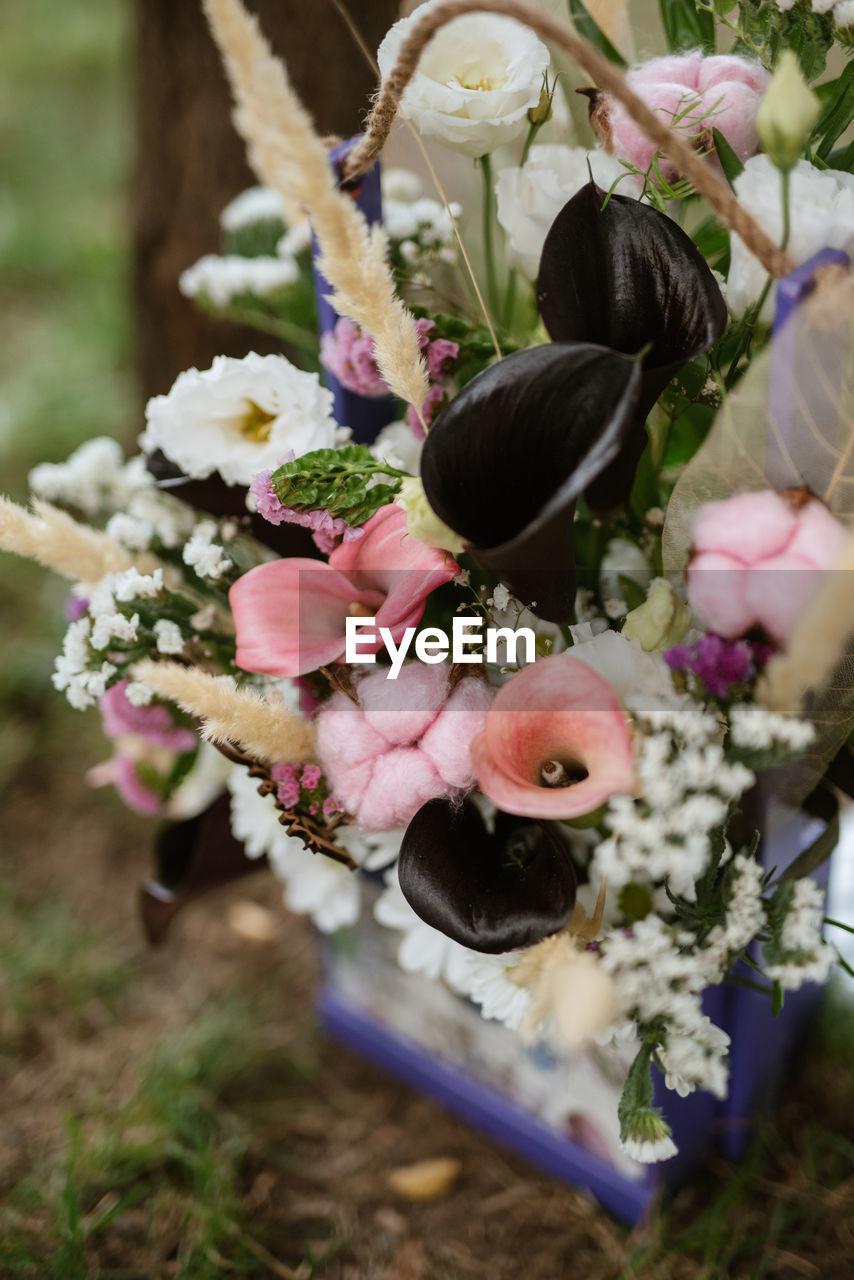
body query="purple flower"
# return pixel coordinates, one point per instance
(718, 663)
(435, 396)
(75, 607)
(348, 354)
(266, 500)
(153, 723)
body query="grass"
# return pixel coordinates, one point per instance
(174, 1114)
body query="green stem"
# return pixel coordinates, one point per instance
(510, 299)
(533, 130)
(785, 183)
(488, 230)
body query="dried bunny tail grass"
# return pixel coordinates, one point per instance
(287, 154)
(55, 540)
(569, 987)
(818, 642)
(261, 727)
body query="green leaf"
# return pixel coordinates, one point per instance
(837, 115)
(730, 162)
(842, 158)
(686, 27)
(336, 481)
(817, 853)
(586, 26)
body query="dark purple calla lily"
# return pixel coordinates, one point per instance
(490, 891)
(617, 272)
(505, 462)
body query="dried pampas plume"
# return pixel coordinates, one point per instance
(286, 154)
(55, 540)
(263, 728)
(817, 643)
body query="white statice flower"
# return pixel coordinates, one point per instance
(425, 220)
(72, 675)
(132, 585)
(240, 417)
(205, 557)
(130, 531)
(655, 973)
(806, 956)
(94, 478)
(821, 203)
(314, 885)
(168, 637)
(531, 196)
(139, 694)
(223, 277)
(696, 1061)
(113, 626)
(255, 204)
(757, 729)
(475, 82)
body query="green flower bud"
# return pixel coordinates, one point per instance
(787, 113)
(661, 621)
(422, 522)
(542, 112)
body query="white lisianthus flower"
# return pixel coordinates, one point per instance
(239, 417)
(475, 82)
(821, 204)
(531, 197)
(221, 278)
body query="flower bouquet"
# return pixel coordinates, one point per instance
(525, 639)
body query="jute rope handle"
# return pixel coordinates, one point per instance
(685, 160)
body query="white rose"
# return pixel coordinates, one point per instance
(821, 205)
(531, 197)
(475, 82)
(239, 417)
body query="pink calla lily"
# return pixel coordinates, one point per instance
(556, 712)
(290, 615)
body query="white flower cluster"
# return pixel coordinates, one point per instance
(686, 786)
(255, 204)
(205, 557)
(219, 278)
(806, 956)
(94, 478)
(168, 637)
(72, 675)
(757, 729)
(417, 222)
(745, 916)
(696, 1061)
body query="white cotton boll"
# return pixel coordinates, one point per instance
(821, 203)
(255, 204)
(531, 197)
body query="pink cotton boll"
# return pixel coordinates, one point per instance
(748, 526)
(556, 712)
(732, 110)
(729, 69)
(778, 591)
(403, 780)
(819, 536)
(447, 741)
(717, 586)
(345, 736)
(426, 692)
(629, 142)
(678, 68)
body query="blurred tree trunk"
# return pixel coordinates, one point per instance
(190, 161)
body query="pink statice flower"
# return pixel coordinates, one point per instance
(406, 742)
(332, 807)
(757, 560)
(310, 777)
(154, 723)
(288, 788)
(348, 353)
(696, 94)
(435, 396)
(327, 530)
(441, 354)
